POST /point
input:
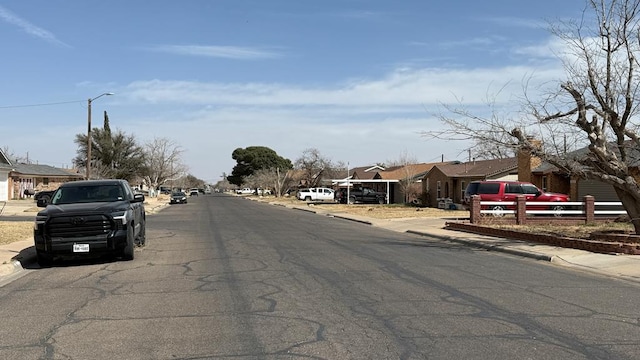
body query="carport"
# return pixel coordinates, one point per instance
(376, 184)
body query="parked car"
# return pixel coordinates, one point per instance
(194, 192)
(178, 197)
(244, 191)
(44, 194)
(360, 195)
(502, 190)
(316, 194)
(90, 217)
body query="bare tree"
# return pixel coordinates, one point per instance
(313, 167)
(593, 108)
(274, 178)
(163, 162)
(405, 165)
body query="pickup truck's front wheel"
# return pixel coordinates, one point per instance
(380, 201)
(127, 252)
(352, 200)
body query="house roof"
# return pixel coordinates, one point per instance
(366, 172)
(633, 157)
(5, 163)
(43, 170)
(479, 168)
(413, 170)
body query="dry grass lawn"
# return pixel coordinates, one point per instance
(11, 231)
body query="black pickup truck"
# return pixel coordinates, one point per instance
(90, 217)
(360, 195)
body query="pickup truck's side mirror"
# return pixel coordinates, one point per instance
(138, 198)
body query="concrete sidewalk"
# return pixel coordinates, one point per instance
(627, 267)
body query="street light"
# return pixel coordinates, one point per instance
(89, 101)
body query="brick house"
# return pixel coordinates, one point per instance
(549, 178)
(16, 178)
(407, 185)
(448, 181)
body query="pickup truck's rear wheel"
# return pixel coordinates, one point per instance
(127, 252)
(352, 200)
(44, 260)
(380, 201)
(307, 198)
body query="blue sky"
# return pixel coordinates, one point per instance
(356, 79)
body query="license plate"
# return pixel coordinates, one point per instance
(80, 247)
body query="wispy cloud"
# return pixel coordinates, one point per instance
(228, 52)
(401, 90)
(517, 22)
(33, 30)
(359, 14)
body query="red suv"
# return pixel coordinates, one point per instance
(499, 190)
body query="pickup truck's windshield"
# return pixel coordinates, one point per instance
(88, 193)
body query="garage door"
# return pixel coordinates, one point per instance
(4, 185)
(599, 190)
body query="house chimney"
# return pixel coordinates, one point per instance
(526, 161)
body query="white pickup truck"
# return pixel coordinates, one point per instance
(316, 194)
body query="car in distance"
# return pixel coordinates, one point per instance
(194, 192)
(90, 217)
(507, 191)
(244, 191)
(362, 195)
(44, 194)
(316, 194)
(178, 197)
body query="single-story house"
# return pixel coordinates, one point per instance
(447, 182)
(16, 178)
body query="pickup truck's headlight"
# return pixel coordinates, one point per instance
(120, 215)
(40, 220)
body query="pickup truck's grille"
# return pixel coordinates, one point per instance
(80, 225)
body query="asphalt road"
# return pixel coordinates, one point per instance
(228, 278)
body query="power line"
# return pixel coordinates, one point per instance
(44, 104)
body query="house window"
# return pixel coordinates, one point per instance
(438, 189)
(427, 186)
(545, 184)
(462, 189)
(45, 181)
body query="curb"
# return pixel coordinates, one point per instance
(488, 247)
(7, 270)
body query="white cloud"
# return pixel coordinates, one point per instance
(33, 30)
(408, 89)
(228, 52)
